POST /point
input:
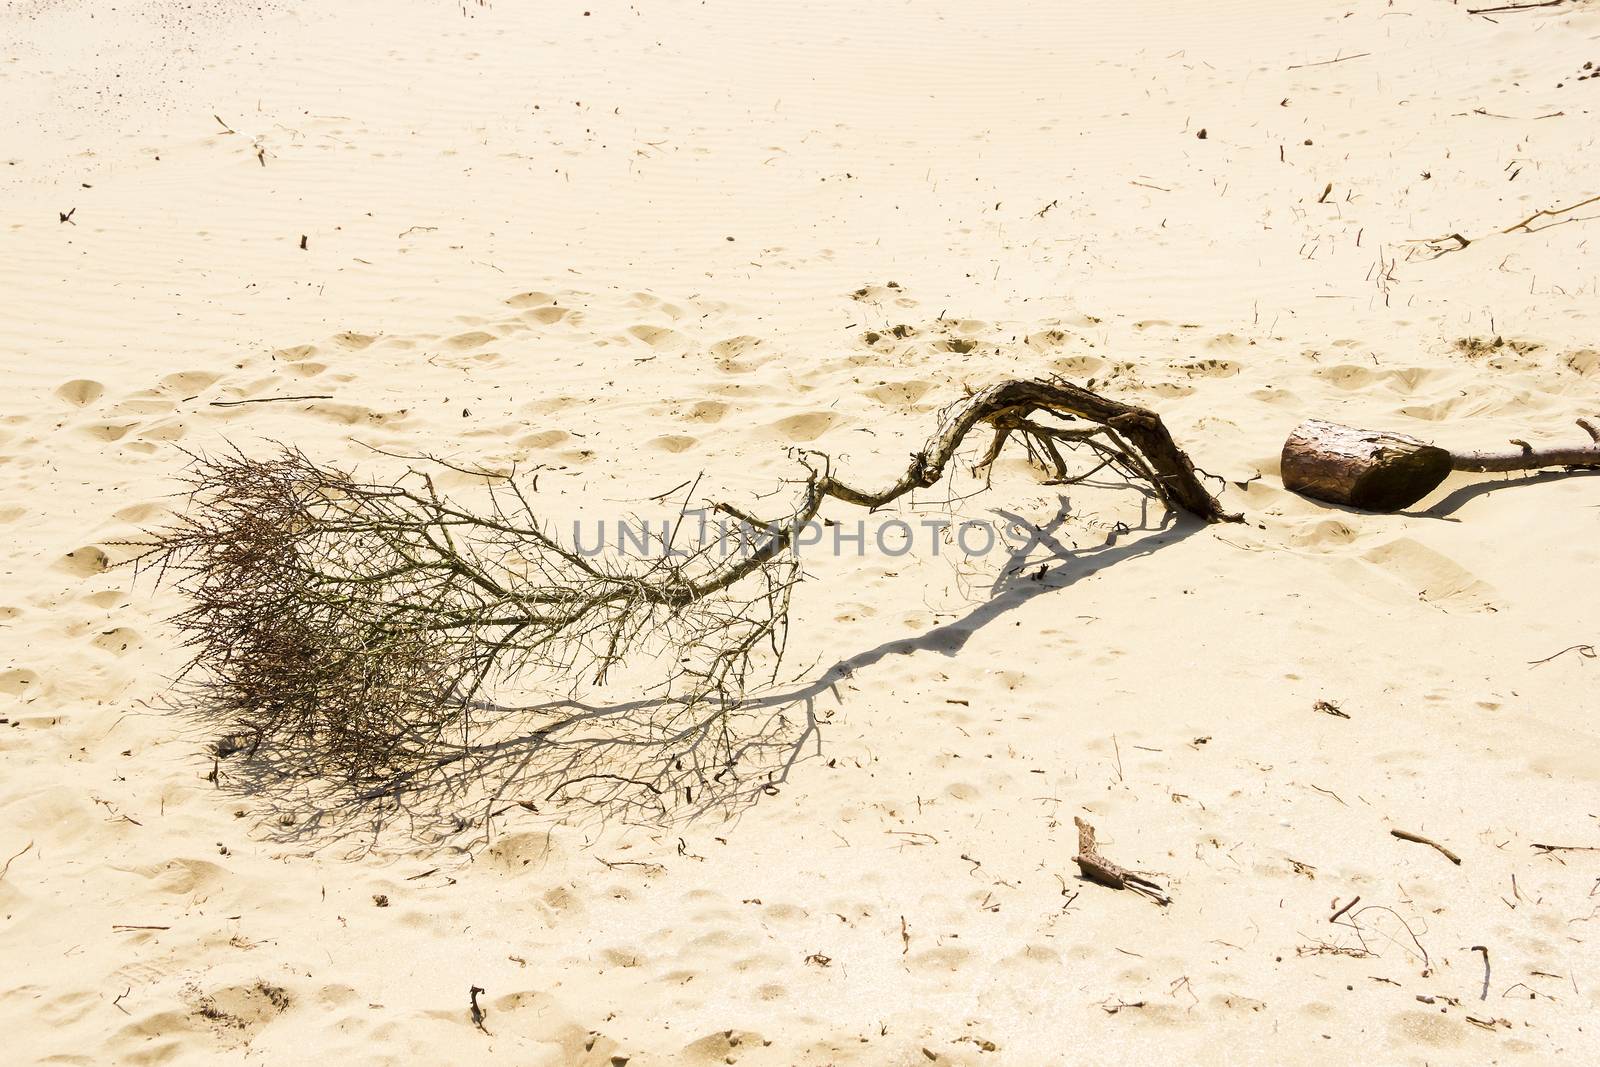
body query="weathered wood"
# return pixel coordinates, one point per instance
(1527, 458)
(1382, 471)
(1362, 468)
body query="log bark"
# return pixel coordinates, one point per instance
(1362, 468)
(1382, 471)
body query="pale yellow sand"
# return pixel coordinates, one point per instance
(625, 244)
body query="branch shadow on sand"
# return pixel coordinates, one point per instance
(1456, 499)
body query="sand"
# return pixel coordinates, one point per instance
(633, 244)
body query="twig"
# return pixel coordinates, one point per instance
(1353, 902)
(131, 926)
(477, 1012)
(1551, 213)
(1525, 225)
(1567, 848)
(1329, 792)
(1483, 949)
(1514, 7)
(1406, 835)
(1112, 1009)
(1325, 62)
(7, 867)
(269, 400)
(1586, 651)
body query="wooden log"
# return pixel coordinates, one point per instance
(1361, 468)
(1382, 471)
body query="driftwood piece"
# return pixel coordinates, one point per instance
(1382, 471)
(1363, 468)
(1097, 868)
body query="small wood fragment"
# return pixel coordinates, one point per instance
(1097, 868)
(1407, 835)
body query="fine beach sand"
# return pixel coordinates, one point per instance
(633, 244)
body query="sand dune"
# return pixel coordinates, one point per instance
(626, 246)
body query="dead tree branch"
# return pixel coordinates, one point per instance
(347, 636)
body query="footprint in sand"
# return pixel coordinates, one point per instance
(306, 369)
(189, 382)
(354, 341)
(807, 427)
(165, 430)
(1077, 366)
(1228, 342)
(1409, 379)
(1438, 411)
(673, 442)
(472, 339)
(722, 1046)
(543, 439)
(180, 877)
(515, 851)
(900, 394)
(1437, 579)
(530, 300)
(547, 316)
(1046, 340)
(659, 337)
(81, 391)
(1210, 368)
(706, 411)
(1584, 361)
(890, 293)
(84, 562)
(19, 682)
(108, 431)
(740, 355)
(118, 641)
(1348, 376)
(1325, 534)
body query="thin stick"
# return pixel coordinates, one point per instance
(1567, 848)
(1353, 902)
(1325, 62)
(1406, 835)
(269, 400)
(1483, 949)
(1586, 651)
(7, 867)
(1514, 7)
(1552, 213)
